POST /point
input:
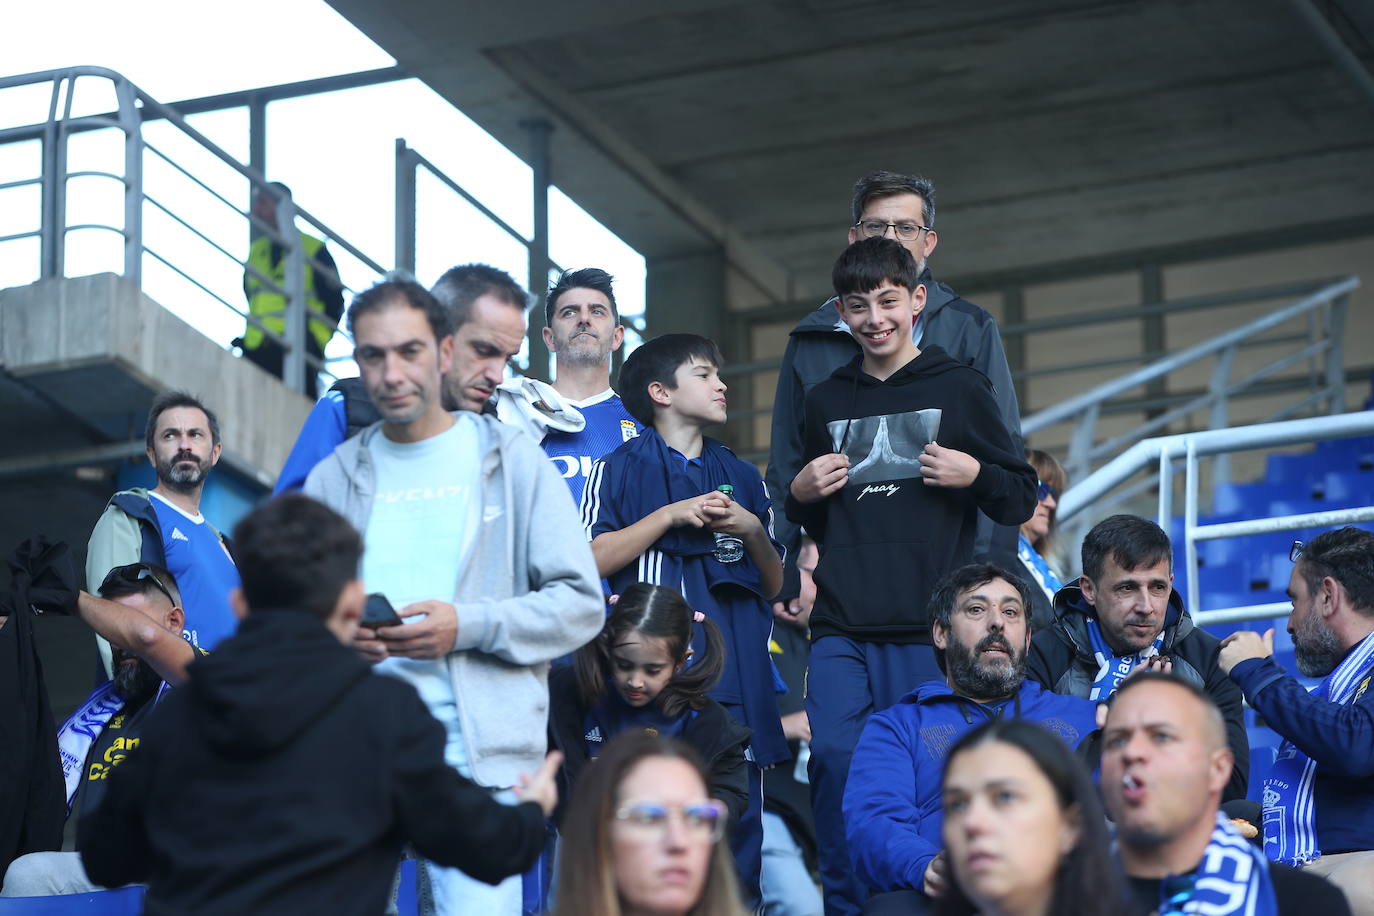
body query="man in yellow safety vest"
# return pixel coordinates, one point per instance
(267, 258)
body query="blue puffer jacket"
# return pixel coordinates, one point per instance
(892, 799)
(1340, 738)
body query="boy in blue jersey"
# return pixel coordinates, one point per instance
(582, 330)
(653, 514)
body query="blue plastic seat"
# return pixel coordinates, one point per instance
(127, 901)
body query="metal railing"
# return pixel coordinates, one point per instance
(1324, 311)
(1164, 453)
(134, 106)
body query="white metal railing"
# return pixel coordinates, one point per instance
(1323, 341)
(1162, 453)
(133, 107)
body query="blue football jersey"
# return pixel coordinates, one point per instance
(609, 425)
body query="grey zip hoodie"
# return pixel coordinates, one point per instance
(528, 594)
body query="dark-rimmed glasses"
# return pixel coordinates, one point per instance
(1295, 552)
(1044, 491)
(907, 232)
(134, 574)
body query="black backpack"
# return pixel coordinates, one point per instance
(359, 411)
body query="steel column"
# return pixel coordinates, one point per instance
(539, 130)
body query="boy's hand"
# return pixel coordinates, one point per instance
(541, 787)
(948, 467)
(823, 476)
(692, 511)
(732, 518)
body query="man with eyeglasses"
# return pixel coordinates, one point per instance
(981, 626)
(1319, 797)
(164, 526)
(902, 207)
(1164, 765)
(1123, 613)
(139, 612)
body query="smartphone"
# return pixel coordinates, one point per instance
(378, 612)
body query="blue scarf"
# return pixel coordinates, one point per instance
(1232, 878)
(79, 732)
(1112, 668)
(1039, 569)
(1290, 823)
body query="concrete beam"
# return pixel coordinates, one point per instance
(100, 349)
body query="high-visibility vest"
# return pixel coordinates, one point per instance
(269, 306)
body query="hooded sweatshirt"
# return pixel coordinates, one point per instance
(886, 538)
(284, 777)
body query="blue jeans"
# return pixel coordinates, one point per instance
(788, 889)
(847, 681)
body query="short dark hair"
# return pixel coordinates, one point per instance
(461, 286)
(170, 400)
(972, 575)
(586, 278)
(868, 263)
(1130, 540)
(381, 295)
(1139, 678)
(880, 184)
(117, 586)
(1346, 555)
(1087, 881)
(658, 360)
(295, 554)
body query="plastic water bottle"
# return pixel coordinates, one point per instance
(729, 549)
(799, 772)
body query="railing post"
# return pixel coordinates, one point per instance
(1335, 354)
(1166, 488)
(1219, 418)
(1189, 524)
(539, 130)
(132, 124)
(294, 364)
(1080, 447)
(405, 208)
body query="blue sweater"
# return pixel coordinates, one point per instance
(1339, 738)
(892, 808)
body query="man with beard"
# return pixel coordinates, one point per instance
(1164, 765)
(163, 526)
(582, 330)
(1123, 612)
(140, 613)
(892, 799)
(1319, 797)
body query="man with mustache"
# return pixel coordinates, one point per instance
(1123, 612)
(1319, 797)
(892, 814)
(139, 612)
(164, 526)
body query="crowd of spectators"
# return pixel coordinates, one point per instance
(572, 655)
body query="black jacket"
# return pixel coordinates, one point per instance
(819, 345)
(1061, 659)
(719, 739)
(284, 777)
(1296, 892)
(886, 538)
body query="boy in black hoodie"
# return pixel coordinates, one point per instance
(284, 777)
(903, 446)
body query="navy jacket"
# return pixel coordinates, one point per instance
(1339, 738)
(892, 807)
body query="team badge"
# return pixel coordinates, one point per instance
(628, 430)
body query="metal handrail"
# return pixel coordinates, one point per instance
(135, 106)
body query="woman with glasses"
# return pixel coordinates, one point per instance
(643, 836)
(1035, 544)
(1023, 829)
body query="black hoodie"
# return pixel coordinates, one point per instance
(886, 538)
(284, 777)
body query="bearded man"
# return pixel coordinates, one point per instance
(981, 628)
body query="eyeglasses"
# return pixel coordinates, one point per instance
(701, 820)
(907, 232)
(1295, 552)
(1045, 491)
(134, 574)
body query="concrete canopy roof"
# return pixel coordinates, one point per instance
(1056, 132)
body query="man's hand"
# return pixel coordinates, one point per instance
(787, 611)
(947, 467)
(541, 787)
(366, 644)
(431, 638)
(1244, 644)
(796, 726)
(823, 476)
(732, 518)
(691, 512)
(937, 877)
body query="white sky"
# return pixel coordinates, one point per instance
(335, 151)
